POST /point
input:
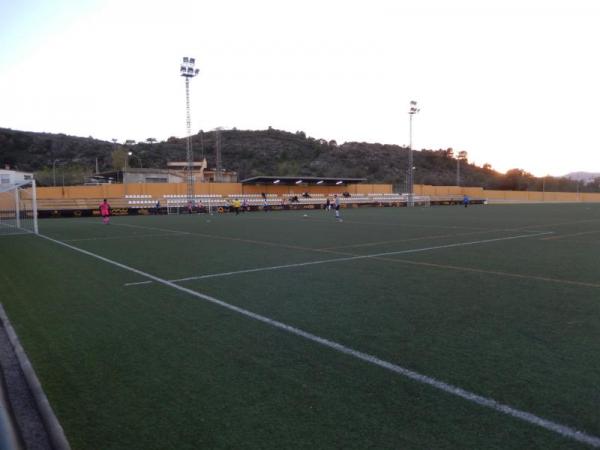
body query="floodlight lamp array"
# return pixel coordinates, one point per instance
(413, 107)
(187, 67)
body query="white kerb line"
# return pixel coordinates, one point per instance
(562, 430)
(344, 258)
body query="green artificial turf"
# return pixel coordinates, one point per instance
(150, 367)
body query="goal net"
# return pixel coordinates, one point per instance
(422, 200)
(18, 208)
(417, 200)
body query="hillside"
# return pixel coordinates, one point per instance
(263, 152)
(586, 177)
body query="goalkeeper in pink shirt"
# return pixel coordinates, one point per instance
(105, 212)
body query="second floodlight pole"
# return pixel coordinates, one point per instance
(188, 71)
(189, 151)
(411, 112)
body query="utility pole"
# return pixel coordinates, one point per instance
(458, 171)
(462, 156)
(544, 189)
(218, 177)
(54, 172)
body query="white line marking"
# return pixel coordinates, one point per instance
(12, 234)
(525, 416)
(149, 228)
(137, 283)
(346, 258)
(562, 236)
(135, 236)
(422, 238)
(399, 224)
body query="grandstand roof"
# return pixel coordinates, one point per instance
(302, 180)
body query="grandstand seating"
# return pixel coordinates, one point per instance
(145, 201)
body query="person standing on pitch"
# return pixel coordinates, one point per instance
(337, 208)
(466, 200)
(105, 212)
(236, 206)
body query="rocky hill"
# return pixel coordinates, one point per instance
(586, 177)
(262, 152)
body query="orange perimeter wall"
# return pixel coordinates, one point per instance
(7, 201)
(528, 196)
(157, 190)
(509, 196)
(160, 189)
(434, 191)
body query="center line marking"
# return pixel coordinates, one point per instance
(562, 430)
(346, 258)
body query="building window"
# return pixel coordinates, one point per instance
(4, 179)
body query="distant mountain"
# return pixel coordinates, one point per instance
(586, 177)
(62, 159)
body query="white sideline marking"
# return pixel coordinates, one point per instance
(525, 416)
(345, 258)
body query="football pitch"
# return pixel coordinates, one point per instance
(397, 328)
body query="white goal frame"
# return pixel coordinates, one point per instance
(18, 208)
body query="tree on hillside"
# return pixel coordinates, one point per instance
(45, 176)
(118, 159)
(63, 174)
(461, 157)
(517, 180)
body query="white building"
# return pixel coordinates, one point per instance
(12, 177)
(176, 172)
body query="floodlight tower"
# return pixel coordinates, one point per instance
(188, 71)
(411, 112)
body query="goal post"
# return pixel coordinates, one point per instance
(18, 208)
(422, 200)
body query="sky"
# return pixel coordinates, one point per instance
(515, 83)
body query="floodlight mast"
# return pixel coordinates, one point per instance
(188, 71)
(411, 112)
